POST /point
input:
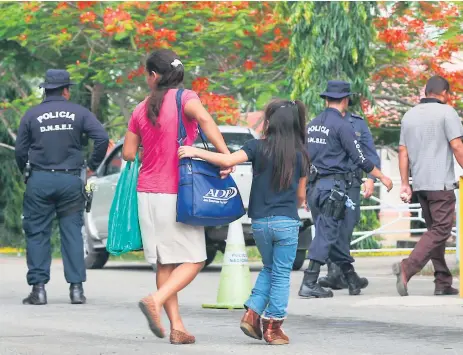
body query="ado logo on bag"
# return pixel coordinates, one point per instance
(220, 196)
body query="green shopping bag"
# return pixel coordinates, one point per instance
(123, 229)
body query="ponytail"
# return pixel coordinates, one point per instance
(167, 65)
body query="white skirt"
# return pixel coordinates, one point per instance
(164, 240)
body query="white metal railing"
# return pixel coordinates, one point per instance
(405, 212)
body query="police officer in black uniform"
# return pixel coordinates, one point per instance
(49, 153)
(331, 143)
(335, 278)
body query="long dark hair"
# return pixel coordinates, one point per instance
(284, 139)
(165, 63)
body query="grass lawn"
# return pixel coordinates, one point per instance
(253, 255)
(429, 271)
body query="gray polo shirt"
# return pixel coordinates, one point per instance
(426, 131)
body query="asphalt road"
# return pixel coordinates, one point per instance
(377, 322)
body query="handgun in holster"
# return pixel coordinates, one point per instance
(349, 178)
(27, 172)
(87, 188)
(313, 174)
(305, 224)
(335, 205)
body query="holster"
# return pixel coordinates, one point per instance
(86, 190)
(335, 205)
(350, 176)
(313, 175)
(27, 172)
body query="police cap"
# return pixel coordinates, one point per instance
(56, 78)
(336, 90)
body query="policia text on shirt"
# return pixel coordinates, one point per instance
(333, 148)
(49, 153)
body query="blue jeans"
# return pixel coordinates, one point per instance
(276, 238)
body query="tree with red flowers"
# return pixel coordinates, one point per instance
(386, 50)
(234, 55)
(234, 52)
(415, 40)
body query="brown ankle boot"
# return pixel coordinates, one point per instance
(273, 333)
(250, 325)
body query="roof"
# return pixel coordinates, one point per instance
(234, 129)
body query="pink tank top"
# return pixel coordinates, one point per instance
(159, 170)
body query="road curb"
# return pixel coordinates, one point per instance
(360, 253)
(356, 253)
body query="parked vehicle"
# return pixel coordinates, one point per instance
(95, 229)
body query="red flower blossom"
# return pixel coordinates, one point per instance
(88, 16)
(249, 64)
(200, 84)
(82, 5)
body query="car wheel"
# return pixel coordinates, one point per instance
(211, 251)
(94, 259)
(300, 258)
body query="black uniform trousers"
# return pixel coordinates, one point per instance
(352, 217)
(331, 240)
(49, 194)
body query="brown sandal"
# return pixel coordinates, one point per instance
(148, 308)
(179, 338)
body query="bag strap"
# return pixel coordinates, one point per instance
(181, 134)
(129, 163)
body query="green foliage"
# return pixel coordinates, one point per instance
(239, 48)
(330, 40)
(368, 221)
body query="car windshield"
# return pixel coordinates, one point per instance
(234, 141)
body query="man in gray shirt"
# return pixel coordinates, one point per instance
(430, 134)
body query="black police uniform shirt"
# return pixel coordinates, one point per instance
(363, 134)
(331, 142)
(50, 136)
(265, 200)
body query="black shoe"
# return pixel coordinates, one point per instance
(310, 287)
(334, 279)
(354, 282)
(38, 296)
(447, 291)
(76, 293)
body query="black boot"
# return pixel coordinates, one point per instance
(38, 296)
(334, 279)
(76, 293)
(310, 287)
(354, 282)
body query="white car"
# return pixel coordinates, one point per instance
(95, 230)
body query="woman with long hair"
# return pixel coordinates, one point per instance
(280, 166)
(177, 250)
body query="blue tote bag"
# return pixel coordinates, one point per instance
(123, 227)
(204, 198)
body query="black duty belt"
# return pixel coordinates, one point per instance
(64, 171)
(334, 176)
